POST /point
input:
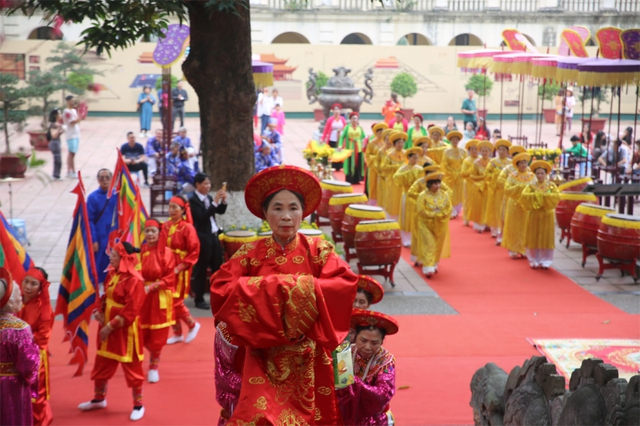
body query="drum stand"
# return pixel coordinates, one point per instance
(566, 232)
(586, 252)
(630, 267)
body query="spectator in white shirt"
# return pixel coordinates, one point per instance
(265, 105)
(72, 129)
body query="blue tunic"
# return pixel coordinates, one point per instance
(146, 111)
(101, 226)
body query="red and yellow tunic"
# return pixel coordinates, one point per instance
(41, 323)
(181, 238)
(289, 307)
(123, 299)
(158, 272)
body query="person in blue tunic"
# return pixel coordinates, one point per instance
(102, 220)
(145, 108)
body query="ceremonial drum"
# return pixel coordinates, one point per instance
(355, 214)
(337, 205)
(233, 240)
(329, 189)
(576, 185)
(569, 200)
(378, 243)
(586, 221)
(265, 234)
(619, 237)
(308, 232)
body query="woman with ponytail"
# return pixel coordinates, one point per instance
(38, 314)
(179, 236)
(120, 337)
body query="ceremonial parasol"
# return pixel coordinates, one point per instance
(608, 72)
(544, 67)
(262, 73)
(478, 59)
(567, 68)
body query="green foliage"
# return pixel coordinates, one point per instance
(321, 81)
(12, 98)
(404, 84)
(42, 86)
(79, 81)
(599, 97)
(549, 90)
(174, 82)
(481, 84)
(31, 161)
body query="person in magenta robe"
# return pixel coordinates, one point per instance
(366, 401)
(19, 358)
(281, 301)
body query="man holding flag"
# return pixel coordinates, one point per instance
(102, 220)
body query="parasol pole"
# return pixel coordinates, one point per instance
(501, 94)
(615, 153)
(538, 120)
(562, 123)
(618, 131)
(635, 115)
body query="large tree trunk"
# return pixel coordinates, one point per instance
(219, 69)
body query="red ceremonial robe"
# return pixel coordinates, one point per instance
(41, 324)
(181, 238)
(289, 307)
(123, 298)
(157, 266)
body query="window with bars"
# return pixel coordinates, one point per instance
(13, 63)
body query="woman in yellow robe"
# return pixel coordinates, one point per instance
(370, 155)
(514, 230)
(424, 142)
(404, 178)
(477, 187)
(381, 196)
(394, 159)
(539, 199)
(437, 148)
(465, 172)
(502, 179)
(495, 192)
(452, 169)
(412, 197)
(434, 210)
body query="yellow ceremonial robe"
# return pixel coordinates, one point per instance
(370, 158)
(477, 192)
(502, 179)
(513, 232)
(413, 193)
(390, 164)
(433, 211)
(437, 151)
(404, 178)
(495, 192)
(465, 172)
(539, 200)
(381, 195)
(452, 169)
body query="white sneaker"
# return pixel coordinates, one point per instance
(174, 339)
(141, 135)
(192, 333)
(136, 414)
(153, 376)
(90, 405)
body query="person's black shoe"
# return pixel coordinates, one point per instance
(202, 305)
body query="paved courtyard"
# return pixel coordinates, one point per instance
(47, 208)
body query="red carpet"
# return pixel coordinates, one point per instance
(501, 302)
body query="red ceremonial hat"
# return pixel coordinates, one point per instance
(365, 318)
(399, 111)
(419, 116)
(6, 275)
(185, 205)
(356, 113)
(128, 262)
(45, 300)
(276, 178)
(152, 222)
(371, 286)
(336, 105)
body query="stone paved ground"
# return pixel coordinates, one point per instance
(47, 208)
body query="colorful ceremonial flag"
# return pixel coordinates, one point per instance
(131, 212)
(13, 255)
(77, 294)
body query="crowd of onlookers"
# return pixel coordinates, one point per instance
(270, 118)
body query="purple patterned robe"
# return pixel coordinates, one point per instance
(228, 380)
(366, 401)
(19, 364)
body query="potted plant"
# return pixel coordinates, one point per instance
(599, 96)
(481, 85)
(547, 92)
(42, 86)
(12, 99)
(405, 85)
(321, 81)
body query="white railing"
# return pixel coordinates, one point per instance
(627, 5)
(466, 5)
(346, 5)
(581, 5)
(519, 5)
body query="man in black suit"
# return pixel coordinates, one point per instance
(203, 210)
